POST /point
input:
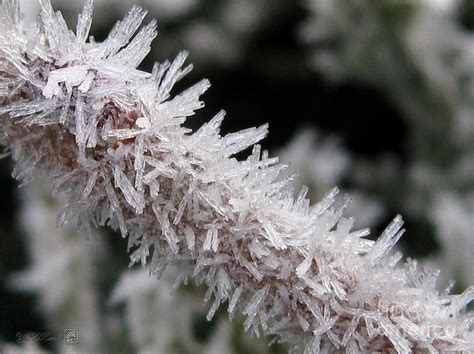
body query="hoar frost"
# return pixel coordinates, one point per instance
(110, 137)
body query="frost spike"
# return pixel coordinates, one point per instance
(84, 22)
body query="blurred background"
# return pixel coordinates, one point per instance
(375, 97)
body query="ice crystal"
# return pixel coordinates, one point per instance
(111, 138)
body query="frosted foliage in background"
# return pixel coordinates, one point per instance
(320, 164)
(392, 45)
(455, 222)
(223, 38)
(62, 268)
(322, 161)
(110, 137)
(160, 321)
(28, 347)
(447, 59)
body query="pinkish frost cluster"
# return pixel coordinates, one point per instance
(110, 137)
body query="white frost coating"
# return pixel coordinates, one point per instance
(295, 270)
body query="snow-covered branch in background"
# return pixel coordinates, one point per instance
(62, 271)
(110, 137)
(455, 224)
(27, 347)
(161, 321)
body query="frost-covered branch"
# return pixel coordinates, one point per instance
(110, 137)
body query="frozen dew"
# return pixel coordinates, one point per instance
(110, 137)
